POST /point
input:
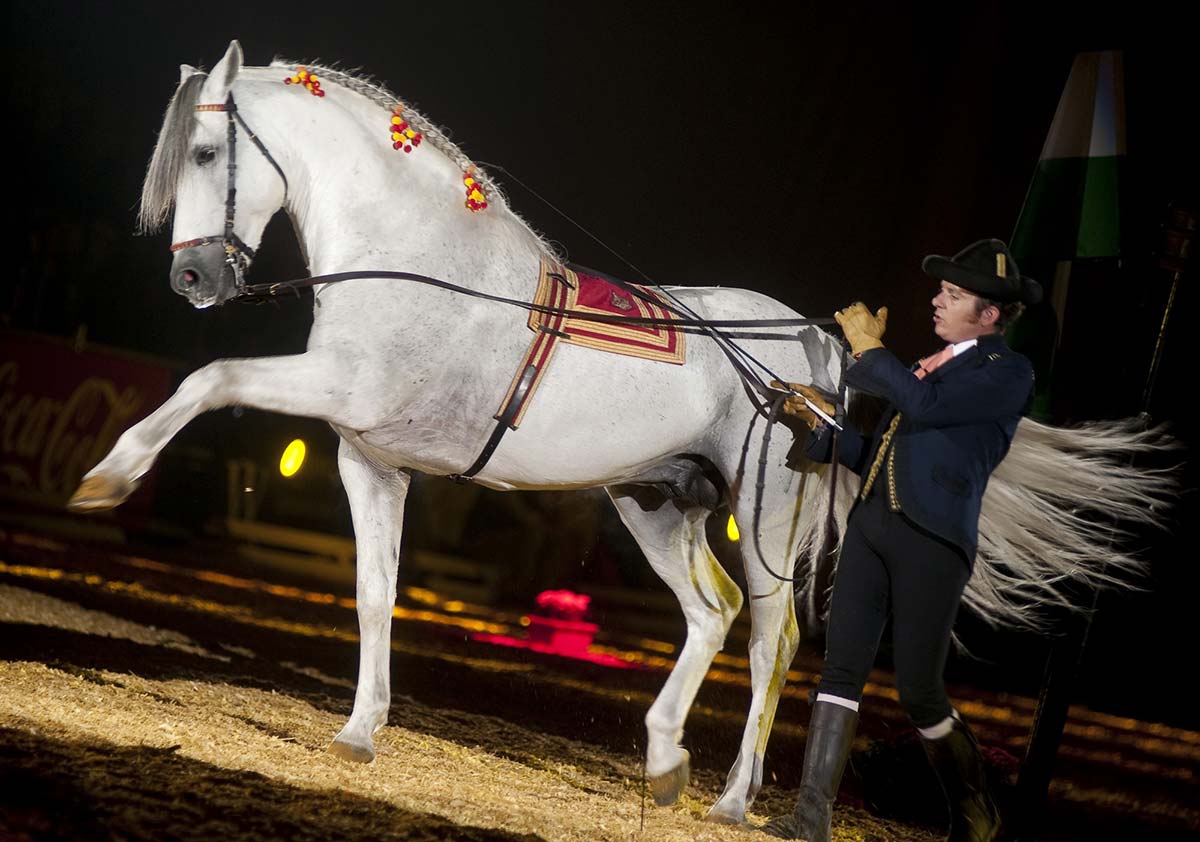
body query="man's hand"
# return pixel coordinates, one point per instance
(795, 407)
(863, 331)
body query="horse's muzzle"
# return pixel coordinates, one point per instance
(202, 275)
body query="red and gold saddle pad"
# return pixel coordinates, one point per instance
(583, 293)
(578, 292)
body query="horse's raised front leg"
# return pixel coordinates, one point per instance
(774, 636)
(676, 547)
(377, 506)
(306, 384)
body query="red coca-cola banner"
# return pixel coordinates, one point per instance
(62, 409)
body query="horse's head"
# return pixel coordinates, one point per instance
(223, 191)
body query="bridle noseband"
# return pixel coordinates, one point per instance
(237, 254)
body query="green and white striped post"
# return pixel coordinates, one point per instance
(1072, 212)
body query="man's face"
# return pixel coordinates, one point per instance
(954, 316)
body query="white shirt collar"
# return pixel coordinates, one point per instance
(959, 347)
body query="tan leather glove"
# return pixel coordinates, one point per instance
(863, 331)
(796, 408)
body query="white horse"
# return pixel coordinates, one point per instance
(410, 376)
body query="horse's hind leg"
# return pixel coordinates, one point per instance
(377, 505)
(675, 546)
(774, 636)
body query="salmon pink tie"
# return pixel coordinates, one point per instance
(933, 361)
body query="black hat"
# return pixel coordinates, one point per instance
(985, 268)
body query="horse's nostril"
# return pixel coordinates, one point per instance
(188, 277)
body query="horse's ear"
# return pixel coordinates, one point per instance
(186, 71)
(220, 80)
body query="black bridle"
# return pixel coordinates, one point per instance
(237, 254)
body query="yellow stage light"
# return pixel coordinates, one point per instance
(293, 458)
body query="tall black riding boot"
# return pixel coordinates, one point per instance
(958, 763)
(830, 735)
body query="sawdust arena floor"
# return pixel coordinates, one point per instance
(140, 704)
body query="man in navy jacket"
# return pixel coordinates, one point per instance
(912, 534)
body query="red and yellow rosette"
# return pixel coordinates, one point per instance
(404, 136)
(307, 80)
(476, 201)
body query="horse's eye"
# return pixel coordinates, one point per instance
(205, 155)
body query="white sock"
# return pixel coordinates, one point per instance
(837, 700)
(938, 731)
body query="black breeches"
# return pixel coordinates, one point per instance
(890, 565)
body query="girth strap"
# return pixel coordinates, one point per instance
(534, 365)
(504, 423)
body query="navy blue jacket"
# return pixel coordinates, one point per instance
(955, 427)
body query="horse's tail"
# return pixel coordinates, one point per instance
(1057, 513)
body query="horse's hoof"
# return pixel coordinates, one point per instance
(98, 493)
(353, 753)
(667, 788)
(718, 816)
(782, 827)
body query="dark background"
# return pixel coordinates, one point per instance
(815, 154)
